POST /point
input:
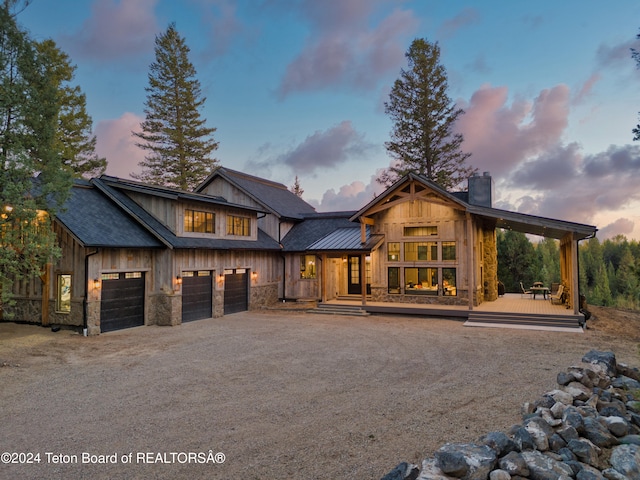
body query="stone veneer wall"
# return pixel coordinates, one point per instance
(261, 296)
(380, 294)
(490, 265)
(586, 429)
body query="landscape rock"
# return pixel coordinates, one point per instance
(625, 459)
(543, 467)
(588, 429)
(467, 461)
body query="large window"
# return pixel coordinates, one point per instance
(449, 282)
(423, 281)
(394, 280)
(63, 296)
(197, 221)
(393, 251)
(420, 251)
(448, 251)
(238, 226)
(420, 231)
(307, 266)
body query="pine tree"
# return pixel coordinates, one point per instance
(422, 139)
(74, 130)
(174, 134)
(33, 180)
(635, 54)
(296, 188)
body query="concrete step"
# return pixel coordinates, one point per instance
(560, 321)
(328, 309)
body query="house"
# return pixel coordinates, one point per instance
(137, 254)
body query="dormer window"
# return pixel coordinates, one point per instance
(199, 222)
(240, 226)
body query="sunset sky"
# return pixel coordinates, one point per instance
(297, 87)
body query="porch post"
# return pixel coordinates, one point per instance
(363, 278)
(323, 278)
(470, 268)
(575, 280)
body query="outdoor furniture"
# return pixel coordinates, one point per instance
(554, 288)
(558, 296)
(537, 290)
(524, 292)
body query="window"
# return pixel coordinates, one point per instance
(393, 251)
(449, 282)
(420, 231)
(63, 297)
(197, 221)
(425, 251)
(238, 226)
(448, 251)
(393, 282)
(307, 266)
(423, 281)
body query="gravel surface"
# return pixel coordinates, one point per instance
(281, 394)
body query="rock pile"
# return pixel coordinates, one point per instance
(586, 429)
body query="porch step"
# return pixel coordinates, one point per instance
(329, 309)
(525, 320)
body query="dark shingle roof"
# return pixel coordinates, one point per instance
(96, 221)
(275, 197)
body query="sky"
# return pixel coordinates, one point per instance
(297, 88)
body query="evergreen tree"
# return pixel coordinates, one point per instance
(423, 115)
(516, 260)
(296, 188)
(173, 132)
(33, 180)
(74, 130)
(635, 54)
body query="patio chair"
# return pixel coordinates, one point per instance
(524, 292)
(554, 288)
(558, 296)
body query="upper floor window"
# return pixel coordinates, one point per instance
(420, 231)
(393, 251)
(425, 251)
(200, 222)
(238, 226)
(448, 250)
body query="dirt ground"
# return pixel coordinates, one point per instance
(280, 394)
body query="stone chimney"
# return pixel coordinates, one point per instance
(481, 190)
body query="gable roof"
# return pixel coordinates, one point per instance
(168, 238)
(274, 197)
(95, 221)
(519, 222)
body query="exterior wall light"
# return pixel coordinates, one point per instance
(96, 283)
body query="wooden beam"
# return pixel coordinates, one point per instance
(471, 269)
(46, 286)
(323, 277)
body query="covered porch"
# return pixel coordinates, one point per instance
(510, 310)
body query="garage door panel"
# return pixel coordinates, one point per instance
(122, 303)
(197, 297)
(236, 293)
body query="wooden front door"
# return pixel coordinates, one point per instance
(354, 280)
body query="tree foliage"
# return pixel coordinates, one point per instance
(34, 181)
(178, 143)
(296, 188)
(635, 54)
(422, 139)
(75, 140)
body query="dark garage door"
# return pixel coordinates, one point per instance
(197, 295)
(236, 291)
(122, 301)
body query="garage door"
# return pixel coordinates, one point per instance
(197, 295)
(236, 291)
(122, 301)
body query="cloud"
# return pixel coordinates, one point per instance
(320, 150)
(622, 226)
(116, 143)
(353, 196)
(468, 16)
(501, 136)
(620, 54)
(115, 30)
(223, 25)
(343, 49)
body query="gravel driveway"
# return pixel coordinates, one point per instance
(282, 395)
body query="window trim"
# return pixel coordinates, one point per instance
(244, 226)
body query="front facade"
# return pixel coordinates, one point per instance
(136, 254)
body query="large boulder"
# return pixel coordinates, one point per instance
(625, 459)
(605, 360)
(467, 461)
(543, 467)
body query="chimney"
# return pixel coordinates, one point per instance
(481, 190)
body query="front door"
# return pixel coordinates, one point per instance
(354, 283)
